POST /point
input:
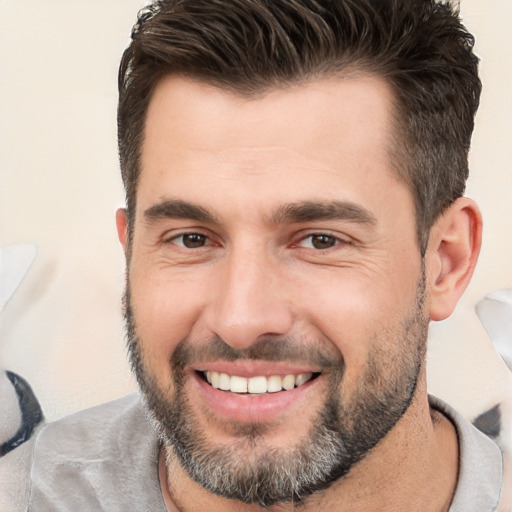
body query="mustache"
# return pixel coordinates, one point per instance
(268, 348)
(320, 353)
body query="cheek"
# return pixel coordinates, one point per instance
(165, 312)
(359, 311)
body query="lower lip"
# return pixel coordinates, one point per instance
(249, 408)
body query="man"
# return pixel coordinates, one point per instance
(294, 175)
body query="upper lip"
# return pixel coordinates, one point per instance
(250, 369)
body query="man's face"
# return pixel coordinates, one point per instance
(274, 256)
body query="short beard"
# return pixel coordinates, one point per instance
(343, 433)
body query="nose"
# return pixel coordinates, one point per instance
(249, 301)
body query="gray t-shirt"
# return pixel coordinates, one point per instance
(106, 459)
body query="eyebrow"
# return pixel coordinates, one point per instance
(309, 211)
(304, 211)
(177, 209)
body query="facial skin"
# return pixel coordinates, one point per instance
(273, 237)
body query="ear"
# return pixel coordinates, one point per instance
(122, 227)
(452, 253)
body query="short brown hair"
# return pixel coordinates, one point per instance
(249, 46)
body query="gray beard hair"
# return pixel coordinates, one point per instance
(250, 471)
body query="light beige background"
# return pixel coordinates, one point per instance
(60, 186)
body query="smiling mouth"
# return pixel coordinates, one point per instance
(258, 385)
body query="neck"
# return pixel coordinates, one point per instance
(414, 467)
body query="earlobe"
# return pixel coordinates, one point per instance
(452, 254)
(122, 226)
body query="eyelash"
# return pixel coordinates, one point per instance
(205, 241)
(174, 239)
(336, 241)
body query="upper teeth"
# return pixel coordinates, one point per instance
(255, 385)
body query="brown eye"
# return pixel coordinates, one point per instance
(323, 241)
(320, 241)
(191, 240)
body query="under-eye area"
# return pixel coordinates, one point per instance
(256, 385)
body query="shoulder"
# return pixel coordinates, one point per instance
(107, 456)
(480, 465)
(91, 430)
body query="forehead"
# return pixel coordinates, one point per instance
(187, 107)
(323, 137)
